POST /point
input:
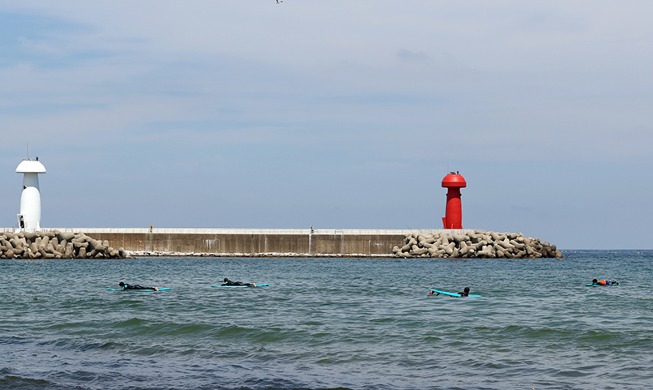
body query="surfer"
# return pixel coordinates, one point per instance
(125, 286)
(604, 282)
(227, 282)
(464, 293)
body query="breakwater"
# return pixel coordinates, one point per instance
(475, 244)
(101, 243)
(55, 245)
(254, 242)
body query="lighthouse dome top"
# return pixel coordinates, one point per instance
(454, 180)
(30, 166)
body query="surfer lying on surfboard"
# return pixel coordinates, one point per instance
(604, 282)
(227, 282)
(461, 294)
(125, 286)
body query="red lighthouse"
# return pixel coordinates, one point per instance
(453, 182)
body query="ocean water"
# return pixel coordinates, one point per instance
(328, 323)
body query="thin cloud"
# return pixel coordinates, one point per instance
(417, 57)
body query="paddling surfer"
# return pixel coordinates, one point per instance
(465, 292)
(126, 286)
(227, 282)
(604, 282)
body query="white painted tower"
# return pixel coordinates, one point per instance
(29, 218)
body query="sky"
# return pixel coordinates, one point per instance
(333, 114)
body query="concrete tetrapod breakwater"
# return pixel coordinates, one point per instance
(475, 244)
(440, 243)
(55, 245)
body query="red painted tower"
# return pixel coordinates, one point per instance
(453, 182)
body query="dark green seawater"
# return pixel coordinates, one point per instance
(329, 323)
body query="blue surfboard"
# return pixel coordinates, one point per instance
(257, 285)
(600, 285)
(139, 289)
(451, 294)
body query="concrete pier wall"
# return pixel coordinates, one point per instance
(256, 242)
(450, 243)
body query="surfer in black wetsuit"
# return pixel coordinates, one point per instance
(125, 286)
(465, 292)
(227, 282)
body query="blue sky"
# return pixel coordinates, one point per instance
(333, 114)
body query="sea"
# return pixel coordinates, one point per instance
(328, 323)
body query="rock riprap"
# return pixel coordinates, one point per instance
(55, 245)
(475, 244)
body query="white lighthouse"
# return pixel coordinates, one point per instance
(29, 218)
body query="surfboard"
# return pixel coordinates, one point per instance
(139, 290)
(452, 294)
(257, 285)
(600, 285)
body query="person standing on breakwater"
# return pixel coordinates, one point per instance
(125, 286)
(227, 282)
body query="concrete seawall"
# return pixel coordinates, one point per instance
(277, 243)
(254, 242)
